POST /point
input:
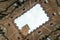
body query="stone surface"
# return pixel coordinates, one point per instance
(49, 29)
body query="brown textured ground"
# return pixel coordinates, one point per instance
(50, 29)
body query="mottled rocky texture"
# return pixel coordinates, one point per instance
(9, 12)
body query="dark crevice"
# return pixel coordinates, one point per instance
(53, 14)
(2, 15)
(8, 24)
(35, 0)
(18, 38)
(27, 39)
(51, 23)
(57, 3)
(39, 31)
(18, 4)
(3, 33)
(23, 8)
